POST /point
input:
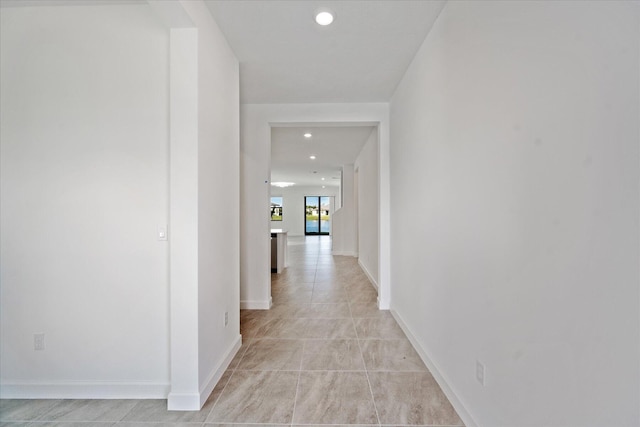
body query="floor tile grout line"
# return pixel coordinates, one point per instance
(295, 397)
(354, 296)
(233, 372)
(366, 372)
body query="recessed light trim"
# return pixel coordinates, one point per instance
(312, 157)
(307, 135)
(324, 16)
(283, 184)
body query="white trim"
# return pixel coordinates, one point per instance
(183, 402)
(217, 373)
(256, 305)
(437, 375)
(83, 390)
(369, 276)
(338, 253)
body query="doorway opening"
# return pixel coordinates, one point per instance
(317, 215)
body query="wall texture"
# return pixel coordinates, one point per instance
(366, 167)
(209, 305)
(345, 221)
(89, 134)
(514, 165)
(84, 172)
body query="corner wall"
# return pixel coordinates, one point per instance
(366, 166)
(515, 209)
(87, 126)
(345, 221)
(219, 200)
(205, 307)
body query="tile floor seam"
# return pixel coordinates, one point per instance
(215, 404)
(249, 344)
(295, 397)
(366, 372)
(125, 415)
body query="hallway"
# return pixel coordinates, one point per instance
(324, 354)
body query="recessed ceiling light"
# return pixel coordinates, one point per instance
(283, 184)
(323, 178)
(307, 135)
(324, 186)
(312, 157)
(324, 16)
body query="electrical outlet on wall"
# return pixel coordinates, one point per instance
(38, 342)
(480, 372)
(162, 232)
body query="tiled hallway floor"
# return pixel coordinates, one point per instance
(324, 354)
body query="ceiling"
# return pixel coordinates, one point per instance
(38, 3)
(285, 57)
(332, 146)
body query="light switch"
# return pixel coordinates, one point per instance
(162, 232)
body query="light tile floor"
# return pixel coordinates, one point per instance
(324, 354)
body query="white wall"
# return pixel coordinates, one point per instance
(219, 199)
(345, 220)
(255, 148)
(86, 136)
(293, 219)
(183, 211)
(366, 166)
(205, 157)
(515, 209)
(84, 186)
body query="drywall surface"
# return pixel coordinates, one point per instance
(183, 211)
(345, 221)
(293, 219)
(218, 197)
(205, 332)
(366, 167)
(514, 183)
(84, 188)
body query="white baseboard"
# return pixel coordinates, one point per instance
(369, 276)
(256, 305)
(341, 253)
(83, 390)
(217, 373)
(195, 401)
(437, 375)
(120, 390)
(183, 402)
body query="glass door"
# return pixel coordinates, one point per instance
(317, 215)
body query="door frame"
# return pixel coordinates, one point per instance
(319, 232)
